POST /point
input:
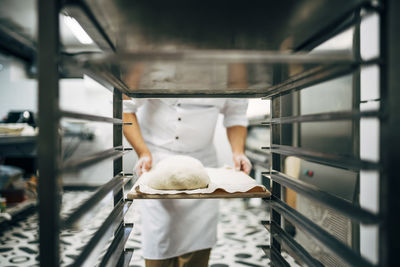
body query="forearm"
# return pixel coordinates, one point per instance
(134, 136)
(237, 138)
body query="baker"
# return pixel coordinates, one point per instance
(181, 232)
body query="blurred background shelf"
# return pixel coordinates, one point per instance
(17, 212)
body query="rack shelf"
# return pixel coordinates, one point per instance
(208, 73)
(134, 26)
(198, 62)
(204, 49)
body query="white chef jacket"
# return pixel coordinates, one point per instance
(172, 228)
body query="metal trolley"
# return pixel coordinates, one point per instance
(248, 41)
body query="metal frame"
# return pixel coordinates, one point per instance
(80, 11)
(296, 249)
(276, 189)
(333, 244)
(49, 151)
(329, 116)
(324, 66)
(389, 134)
(324, 158)
(81, 116)
(386, 220)
(327, 199)
(51, 167)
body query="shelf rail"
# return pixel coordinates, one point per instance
(328, 116)
(286, 87)
(115, 183)
(297, 250)
(324, 158)
(325, 238)
(82, 13)
(89, 117)
(74, 165)
(102, 235)
(343, 206)
(116, 248)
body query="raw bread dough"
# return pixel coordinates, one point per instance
(177, 173)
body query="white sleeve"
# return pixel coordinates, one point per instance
(234, 111)
(132, 105)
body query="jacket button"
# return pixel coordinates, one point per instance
(179, 104)
(176, 137)
(179, 119)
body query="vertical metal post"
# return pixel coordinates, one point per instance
(49, 140)
(389, 230)
(117, 141)
(117, 138)
(356, 99)
(275, 165)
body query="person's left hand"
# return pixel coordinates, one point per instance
(242, 163)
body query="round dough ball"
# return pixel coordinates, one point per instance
(178, 173)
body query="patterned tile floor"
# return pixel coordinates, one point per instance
(239, 234)
(19, 244)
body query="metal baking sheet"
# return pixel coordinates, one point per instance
(208, 24)
(206, 73)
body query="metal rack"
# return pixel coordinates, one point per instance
(246, 47)
(51, 168)
(384, 220)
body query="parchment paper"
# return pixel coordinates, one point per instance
(220, 178)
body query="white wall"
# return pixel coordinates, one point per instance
(16, 92)
(369, 134)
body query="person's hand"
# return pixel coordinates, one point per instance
(242, 163)
(143, 164)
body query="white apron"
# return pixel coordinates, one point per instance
(174, 227)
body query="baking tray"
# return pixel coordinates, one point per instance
(225, 183)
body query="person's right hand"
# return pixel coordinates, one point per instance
(143, 164)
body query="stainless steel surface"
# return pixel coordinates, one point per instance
(19, 17)
(179, 24)
(205, 49)
(336, 224)
(339, 182)
(212, 73)
(165, 26)
(155, 25)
